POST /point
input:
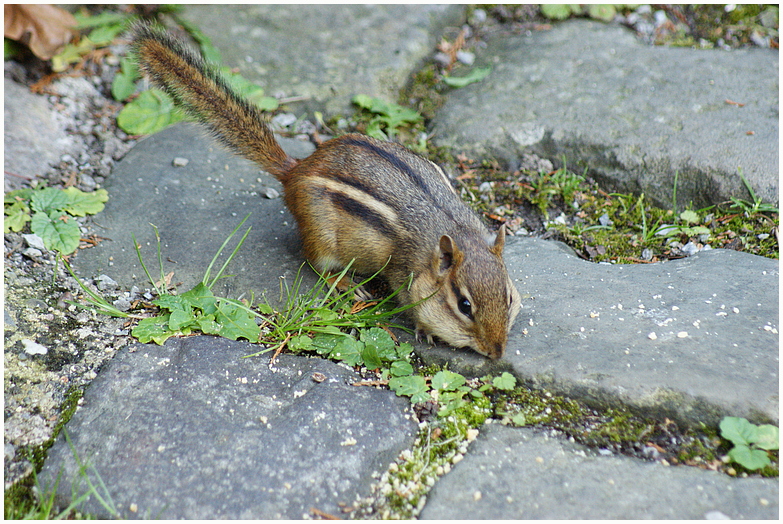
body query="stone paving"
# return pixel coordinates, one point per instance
(198, 435)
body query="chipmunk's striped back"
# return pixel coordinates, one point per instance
(361, 201)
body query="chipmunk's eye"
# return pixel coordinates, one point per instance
(464, 307)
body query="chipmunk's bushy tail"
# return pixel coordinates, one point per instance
(198, 88)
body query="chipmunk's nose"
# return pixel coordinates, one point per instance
(496, 350)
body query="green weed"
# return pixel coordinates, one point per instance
(197, 309)
(752, 443)
(386, 117)
(547, 187)
(105, 28)
(52, 214)
(94, 300)
(751, 208)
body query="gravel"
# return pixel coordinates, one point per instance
(52, 348)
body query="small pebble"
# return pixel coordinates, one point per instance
(34, 241)
(33, 348)
(271, 193)
(87, 181)
(442, 59)
(105, 282)
(284, 119)
(32, 253)
(123, 304)
(690, 248)
(466, 57)
(716, 515)
(180, 162)
(478, 16)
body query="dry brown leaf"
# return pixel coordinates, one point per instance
(45, 29)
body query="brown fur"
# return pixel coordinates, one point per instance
(357, 199)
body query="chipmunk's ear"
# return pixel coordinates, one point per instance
(500, 240)
(448, 254)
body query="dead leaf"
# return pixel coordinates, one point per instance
(45, 29)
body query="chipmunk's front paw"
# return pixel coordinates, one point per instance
(361, 294)
(420, 333)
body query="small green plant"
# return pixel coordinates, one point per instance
(751, 208)
(197, 309)
(688, 226)
(505, 382)
(559, 183)
(320, 319)
(388, 116)
(751, 443)
(52, 214)
(105, 27)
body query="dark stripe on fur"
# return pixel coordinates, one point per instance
(391, 158)
(357, 209)
(401, 166)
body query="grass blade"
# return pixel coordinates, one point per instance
(137, 247)
(225, 264)
(96, 300)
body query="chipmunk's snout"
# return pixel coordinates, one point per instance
(498, 351)
(493, 349)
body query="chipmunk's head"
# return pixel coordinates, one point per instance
(473, 302)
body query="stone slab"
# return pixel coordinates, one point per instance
(191, 430)
(195, 208)
(32, 138)
(580, 343)
(584, 332)
(326, 53)
(511, 473)
(632, 114)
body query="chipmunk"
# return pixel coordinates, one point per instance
(364, 201)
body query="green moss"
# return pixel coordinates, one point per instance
(539, 408)
(424, 92)
(613, 227)
(20, 500)
(711, 22)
